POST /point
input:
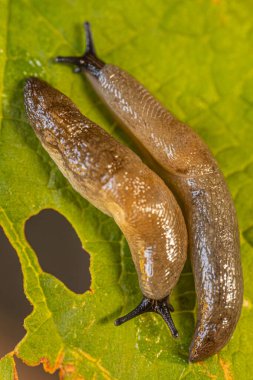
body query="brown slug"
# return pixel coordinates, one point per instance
(115, 180)
(192, 173)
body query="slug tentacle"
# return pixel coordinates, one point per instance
(89, 60)
(160, 307)
(90, 47)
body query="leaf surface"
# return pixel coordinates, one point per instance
(8, 368)
(197, 58)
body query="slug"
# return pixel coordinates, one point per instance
(193, 175)
(116, 181)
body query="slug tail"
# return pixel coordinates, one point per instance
(89, 60)
(160, 307)
(209, 338)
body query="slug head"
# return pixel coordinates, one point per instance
(161, 307)
(67, 135)
(49, 112)
(83, 151)
(89, 61)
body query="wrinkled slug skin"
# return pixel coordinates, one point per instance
(195, 178)
(116, 181)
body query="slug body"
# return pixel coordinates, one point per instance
(192, 172)
(116, 181)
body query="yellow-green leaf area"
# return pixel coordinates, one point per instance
(195, 56)
(7, 368)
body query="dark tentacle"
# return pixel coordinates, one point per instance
(164, 310)
(90, 47)
(89, 60)
(143, 307)
(160, 307)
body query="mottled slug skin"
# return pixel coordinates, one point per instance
(195, 178)
(117, 182)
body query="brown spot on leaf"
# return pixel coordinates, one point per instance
(47, 365)
(68, 369)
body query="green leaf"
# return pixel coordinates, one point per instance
(7, 368)
(196, 56)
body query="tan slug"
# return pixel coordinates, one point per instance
(193, 174)
(115, 180)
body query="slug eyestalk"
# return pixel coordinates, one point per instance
(89, 60)
(160, 307)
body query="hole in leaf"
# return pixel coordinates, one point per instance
(36, 373)
(59, 249)
(14, 306)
